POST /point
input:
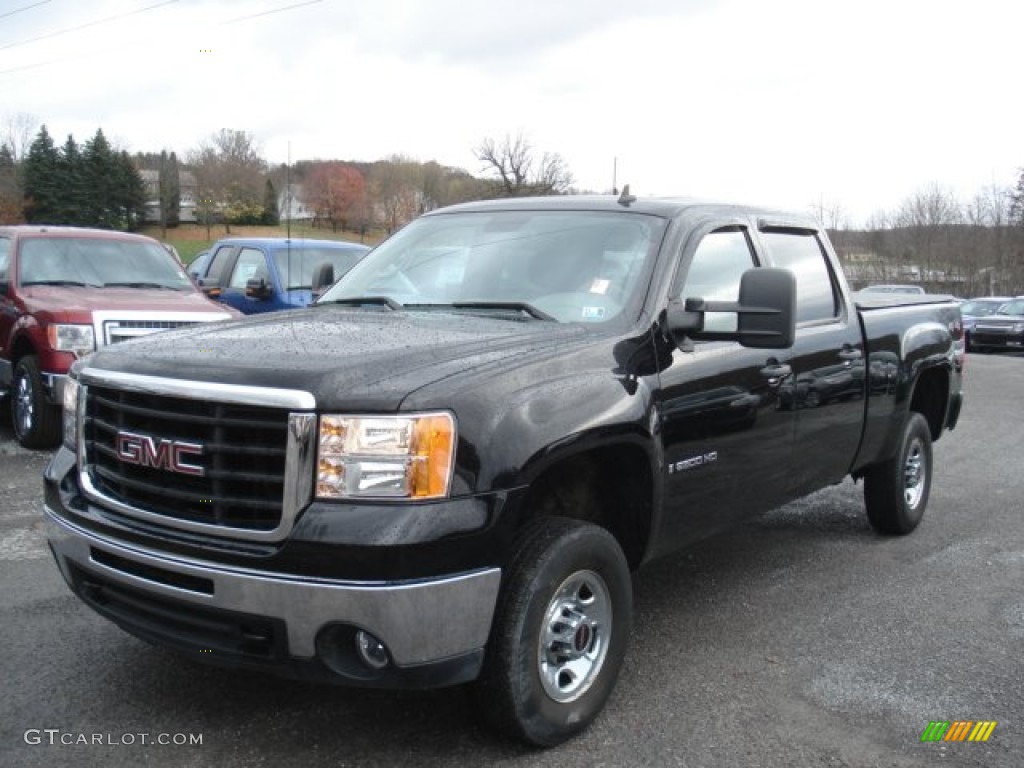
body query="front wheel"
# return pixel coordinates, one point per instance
(896, 490)
(36, 422)
(560, 633)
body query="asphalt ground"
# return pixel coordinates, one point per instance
(800, 638)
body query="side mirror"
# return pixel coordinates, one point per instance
(323, 278)
(766, 312)
(257, 288)
(209, 286)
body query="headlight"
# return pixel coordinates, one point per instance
(385, 456)
(70, 413)
(1018, 327)
(72, 338)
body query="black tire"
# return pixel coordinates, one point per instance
(36, 422)
(896, 491)
(548, 673)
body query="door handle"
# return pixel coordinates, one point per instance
(776, 370)
(849, 354)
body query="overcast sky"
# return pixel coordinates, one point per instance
(857, 103)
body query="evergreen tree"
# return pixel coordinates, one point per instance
(173, 191)
(1017, 201)
(271, 215)
(73, 206)
(100, 176)
(164, 192)
(42, 179)
(128, 200)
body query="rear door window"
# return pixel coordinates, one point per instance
(817, 300)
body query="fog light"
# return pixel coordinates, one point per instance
(371, 650)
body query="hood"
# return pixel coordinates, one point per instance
(63, 301)
(349, 359)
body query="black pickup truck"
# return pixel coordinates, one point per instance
(448, 468)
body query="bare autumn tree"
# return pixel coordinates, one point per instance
(830, 214)
(518, 169)
(396, 190)
(926, 221)
(230, 175)
(16, 133)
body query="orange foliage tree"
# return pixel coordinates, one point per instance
(336, 193)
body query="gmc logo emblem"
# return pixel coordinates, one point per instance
(170, 455)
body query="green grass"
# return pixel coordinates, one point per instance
(190, 239)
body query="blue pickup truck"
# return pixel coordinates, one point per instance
(266, 274)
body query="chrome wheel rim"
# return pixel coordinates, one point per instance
(574, 636)
(23, 408)
(914, 472)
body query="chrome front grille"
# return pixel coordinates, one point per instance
(122, 330)
(218, 465)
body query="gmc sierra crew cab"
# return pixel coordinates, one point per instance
(448, 468)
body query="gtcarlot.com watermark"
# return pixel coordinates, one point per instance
(56, 737)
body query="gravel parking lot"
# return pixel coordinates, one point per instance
(798, 639)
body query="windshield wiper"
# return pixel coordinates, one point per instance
(516, 306)
(76, 283)
(140, 284)
(358, 301)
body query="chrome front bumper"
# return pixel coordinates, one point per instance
(420, 622)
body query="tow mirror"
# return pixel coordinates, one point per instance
(766, 312)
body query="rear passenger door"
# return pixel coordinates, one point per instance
(826, 389)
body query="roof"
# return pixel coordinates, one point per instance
(667, 207)
(296, 242)
(22, 230)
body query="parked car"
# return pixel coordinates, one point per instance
(267, 274)
(1002, 330)
(892, 289)
(64, 291)
(982, 306)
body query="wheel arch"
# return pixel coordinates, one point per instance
(930, 398)
(610, 484)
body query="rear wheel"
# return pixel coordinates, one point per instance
(36, 422)
(560, 633)
(896, 491)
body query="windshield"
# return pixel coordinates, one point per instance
(574, 266)
(1012, 308)
(296, 265)
(99, 263)
(978, 308)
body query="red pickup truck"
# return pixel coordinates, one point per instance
(66, 291)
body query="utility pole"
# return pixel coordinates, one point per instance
(288, 193)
